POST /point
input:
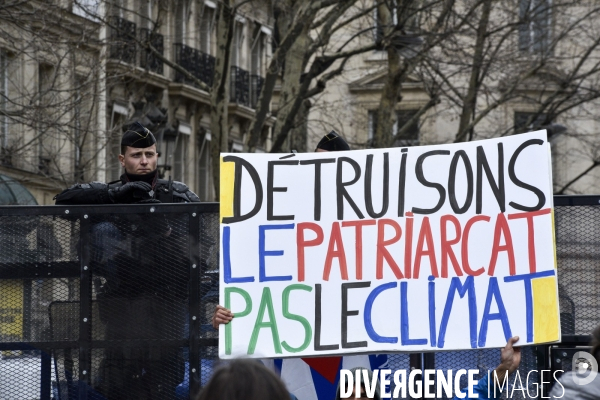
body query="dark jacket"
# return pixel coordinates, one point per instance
(165, 191)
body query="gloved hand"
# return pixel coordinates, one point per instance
(130, 192)
(148, 201)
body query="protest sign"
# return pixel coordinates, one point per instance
(405, 249)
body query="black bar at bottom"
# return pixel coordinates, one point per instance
(46, 376)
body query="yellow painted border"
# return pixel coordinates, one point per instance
(227, 181)
(546, 327)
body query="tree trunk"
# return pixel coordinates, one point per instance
(295, 63)
(219, 116)
(298, 137)
(391, 94)
(465, 134)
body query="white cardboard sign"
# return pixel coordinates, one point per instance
(405, 249)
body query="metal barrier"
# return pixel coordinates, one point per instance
(115, 302)
(107, 302)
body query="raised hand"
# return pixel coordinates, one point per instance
(510, 358)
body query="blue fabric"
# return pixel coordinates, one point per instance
(480, 390)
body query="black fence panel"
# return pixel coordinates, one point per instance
(115, 302)
(106, 302)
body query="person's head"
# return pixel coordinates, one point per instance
(138, 150)
(244, 380)
(332, 142)
(363, 393)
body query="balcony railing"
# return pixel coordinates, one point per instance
(239, 91)
(148, 59)
(256, 84)
(199, 64)
(122, 40)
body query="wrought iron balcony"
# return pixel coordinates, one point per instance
(197, 63)
(239, 91)
(148, 59)
(256, 84)
(122, 40)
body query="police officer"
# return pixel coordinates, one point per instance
(140, 273)
(332, 142)
(140, 181)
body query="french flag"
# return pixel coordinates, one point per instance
(317, 378)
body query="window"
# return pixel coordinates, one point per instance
(146, 14)
(117, 8)
(378, 31)
(207, 22)
(235, 147)
(204, 170)
(409, 138)
(113, 146)
(536, 121)
(3, 99)
(535, 24)
(181, 14)
(257, 52)
(180, 154)
(238, 42)
(87, 9)
(46, 117)
(83, 122)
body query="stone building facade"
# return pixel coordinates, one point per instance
(103, 78)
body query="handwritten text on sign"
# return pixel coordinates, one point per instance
(404, 249)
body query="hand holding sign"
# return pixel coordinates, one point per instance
(221, 316)
(510, 358)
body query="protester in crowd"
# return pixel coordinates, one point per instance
(244, 380)
(573, 385)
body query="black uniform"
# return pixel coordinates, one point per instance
(141, 272)
(165, 191)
